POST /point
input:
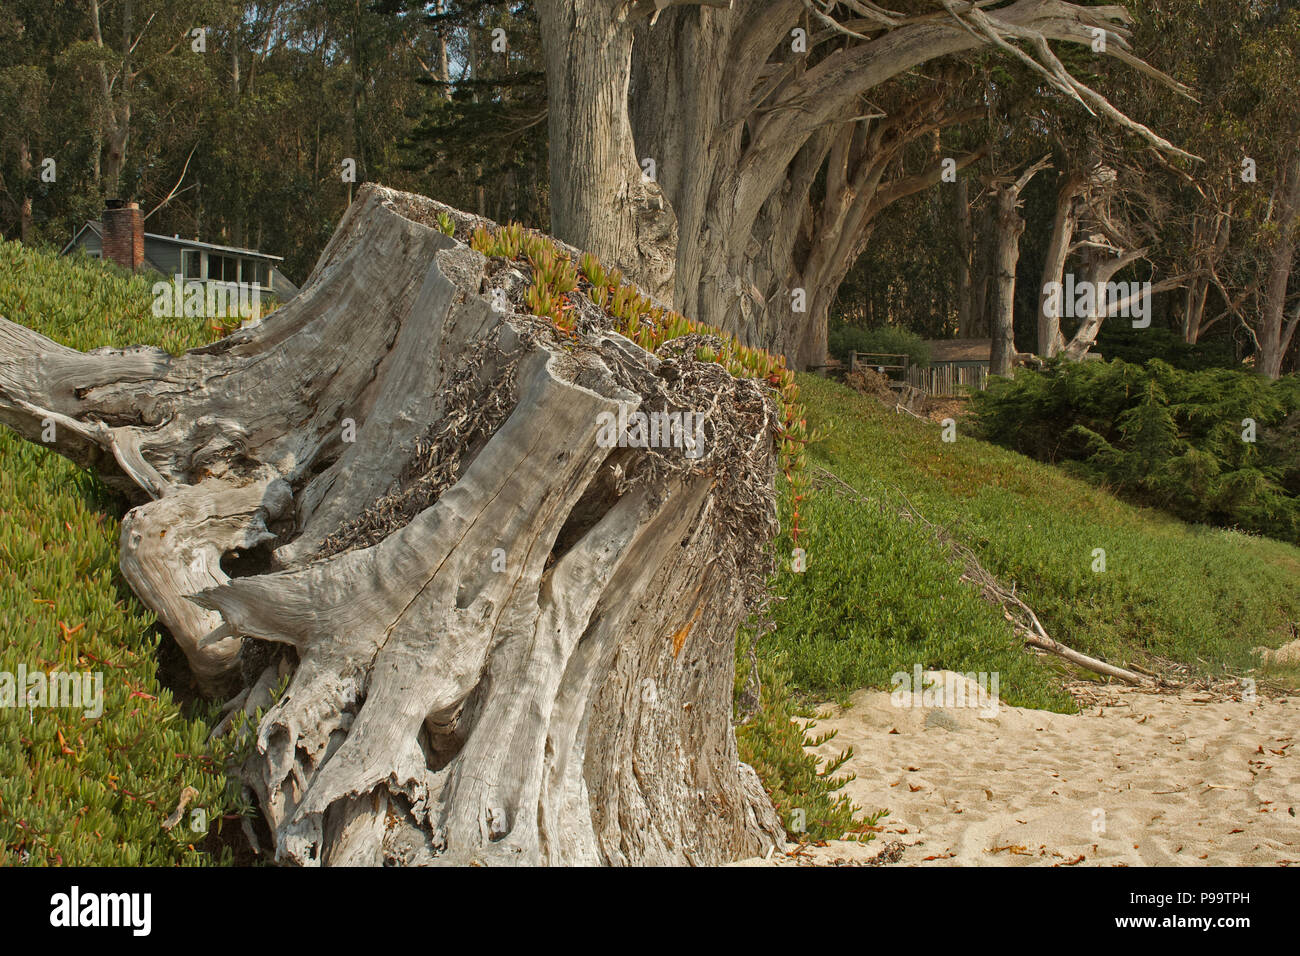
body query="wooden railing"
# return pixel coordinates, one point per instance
(946, 381)
(883, 362)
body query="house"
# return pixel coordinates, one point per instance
(120, 237)
(956, 365)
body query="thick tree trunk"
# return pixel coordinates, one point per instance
(1008, 225)
(1064, 222)
(506, 642)
(115, 142)
(602, 199)
(442, 62)
(733, 118)
(723, 262)
(1006, 254)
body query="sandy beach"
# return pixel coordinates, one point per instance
(1138, 778)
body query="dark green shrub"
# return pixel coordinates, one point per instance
(844, 339)
(1120, 341)
(1167, 438)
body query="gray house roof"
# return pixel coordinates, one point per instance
(98, 229)
(161, 253)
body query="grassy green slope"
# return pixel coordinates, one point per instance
(75, 790)
(879, 596)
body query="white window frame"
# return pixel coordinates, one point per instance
(247, 268)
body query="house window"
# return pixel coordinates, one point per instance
(223, 268)
(254, 273)
(191, 264)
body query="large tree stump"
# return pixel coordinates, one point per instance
(504, 641)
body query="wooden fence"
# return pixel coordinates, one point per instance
(948, 379)
(886, 363)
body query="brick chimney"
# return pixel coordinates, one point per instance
(123, 233)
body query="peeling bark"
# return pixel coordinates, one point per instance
(504, 642)
(605, 202)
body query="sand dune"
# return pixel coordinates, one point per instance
(1144, 779)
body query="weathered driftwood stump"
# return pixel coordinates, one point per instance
(505, 641)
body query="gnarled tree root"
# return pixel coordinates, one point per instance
(506, 643)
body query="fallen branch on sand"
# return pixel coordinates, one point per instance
(1021, 616)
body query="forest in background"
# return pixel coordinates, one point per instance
(244, 143)
(240, 134)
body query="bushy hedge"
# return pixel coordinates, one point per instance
(1138, 345)
(844, 339)
(1171, 439)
